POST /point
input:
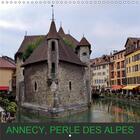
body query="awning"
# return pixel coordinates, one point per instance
(4, 88)
(130, 87)
(117, 87)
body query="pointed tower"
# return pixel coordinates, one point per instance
(61, 32)
(53, 52)
(52, 34)
(84, 50)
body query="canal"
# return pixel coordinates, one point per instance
(102, 110)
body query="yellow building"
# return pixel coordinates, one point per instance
(132, 58)
(7, 70)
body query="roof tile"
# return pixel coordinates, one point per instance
(84, 42)
(52, 32)
(6, 64)
(65, 54)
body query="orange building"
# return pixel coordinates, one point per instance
(7, 71)
(117, 70)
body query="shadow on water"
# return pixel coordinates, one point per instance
(102, 110)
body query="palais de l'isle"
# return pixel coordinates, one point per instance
(55, 78)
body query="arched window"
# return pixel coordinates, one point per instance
(53, 46)
(35, 86)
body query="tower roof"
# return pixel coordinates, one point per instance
(66, 54)
(61, 31)
(84, 42)
(52, 34)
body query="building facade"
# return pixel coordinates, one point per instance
(117, 70)
(56, 76)
(7, 73)
(132, 56)
(100, 68)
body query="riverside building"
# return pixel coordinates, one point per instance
(117, 70)
(132, 57)
(55, 78)
(100, 68)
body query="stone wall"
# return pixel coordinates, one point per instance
(84, 58)
(42, 95)
(19, 75)
(74, 74)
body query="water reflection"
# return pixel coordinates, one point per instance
(115, 111)
(102, 110)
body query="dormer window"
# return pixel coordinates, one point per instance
(53, 46)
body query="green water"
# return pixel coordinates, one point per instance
(102, 110)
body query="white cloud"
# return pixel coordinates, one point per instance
(7, 7)
(110, 29)
(105, 27)
(12, 24)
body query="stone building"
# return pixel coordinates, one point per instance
(55, 78)
(100, 68)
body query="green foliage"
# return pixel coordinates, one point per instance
(8, 106)
(13, 104)
(12, 107)
(31, 47)
(2, 92)
(6, 102)
(67, 42)
(28, 51)
(39, 41)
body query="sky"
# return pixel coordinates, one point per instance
(106, 27)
